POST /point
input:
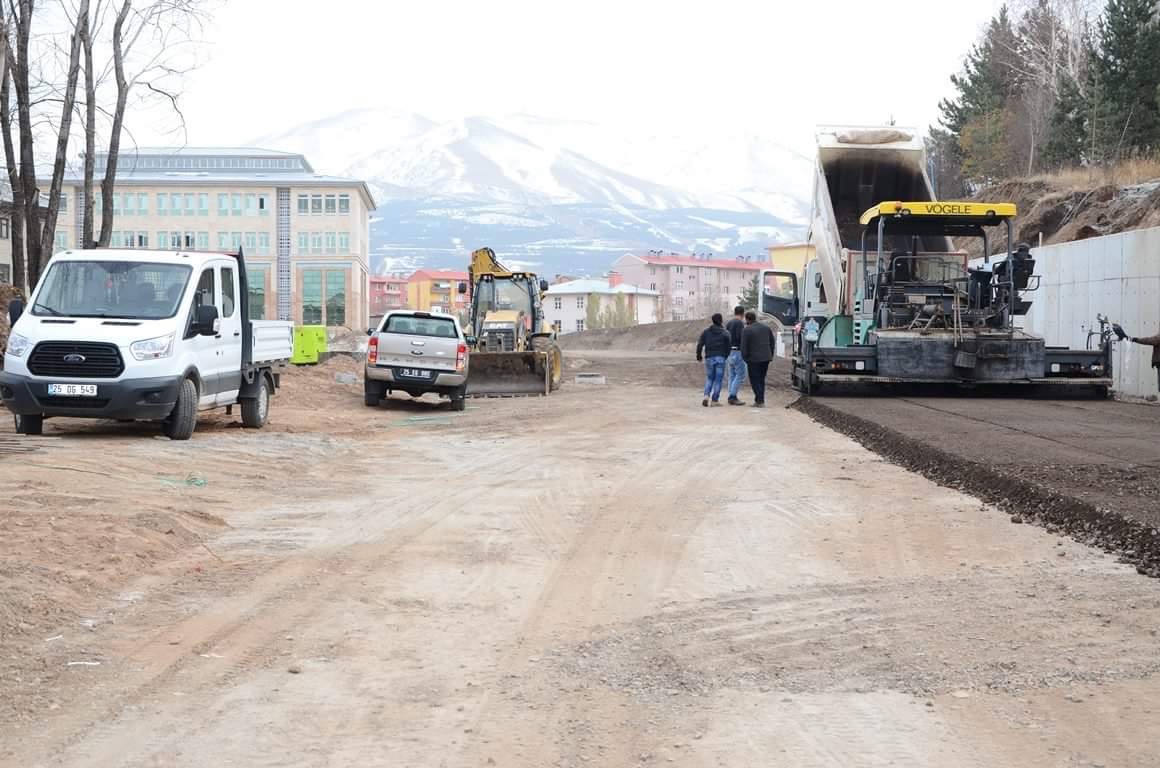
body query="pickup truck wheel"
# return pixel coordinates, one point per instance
(183, 420)
(256, 410)
(30, 425)
(372, 393)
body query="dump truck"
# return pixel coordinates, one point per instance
(513, 351)
(890, 297)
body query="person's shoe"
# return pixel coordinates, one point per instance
(705, 402)
(759, 405)
(735, 401)
(715, 404)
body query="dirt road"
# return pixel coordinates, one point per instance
(613, 576)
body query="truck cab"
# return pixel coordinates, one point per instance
(141, 335)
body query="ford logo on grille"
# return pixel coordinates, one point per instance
(74, 358)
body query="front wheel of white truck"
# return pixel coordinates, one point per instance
(183, 420)
(256, 410)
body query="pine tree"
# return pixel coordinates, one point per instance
(750, 297)
(1128, 67)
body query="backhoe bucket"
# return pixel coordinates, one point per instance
(508, 373)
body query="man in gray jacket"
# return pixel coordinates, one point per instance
(758, 346)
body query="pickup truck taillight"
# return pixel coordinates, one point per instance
(461, 357)
(373, 350)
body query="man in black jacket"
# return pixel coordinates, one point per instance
(757, 349)
(714, 342)
(735, 363)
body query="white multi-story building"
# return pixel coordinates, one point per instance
(690, 287)
(306, 236)
(566, 305)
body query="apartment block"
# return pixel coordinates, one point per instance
(437, 290)
(306, 235)
(387, 292)
(689, 287)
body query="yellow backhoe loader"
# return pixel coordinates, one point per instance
(513, 352)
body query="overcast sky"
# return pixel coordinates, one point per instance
(693, 66)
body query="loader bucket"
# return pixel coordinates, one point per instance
(508, 373)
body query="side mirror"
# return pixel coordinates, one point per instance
(15, 310)
(543, 285)
(207, 320)
(370, 331)
(462, 288)
(470, 341)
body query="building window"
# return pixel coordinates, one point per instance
(344, 242)
(114, 239)
(235, 241)
(331, 242)
(223, 204)
(203, 241)
(303, 243)
(559, 303)
(652, 286)
(263, 205)
(60, 242)
(316, 205)
(336, 297)
(579, 302)
(303, 205)
(223, 241)
(316, 242)
(142, 239)
(331, 205)
(5, 228)
(175, 204)
(251, 241)
(312, 297)
(251, 205)
(344, 204)
(117, 203)
(203, 204)
(63, 207)
(130, 208)
(679, 285)
(189, 210)
(264, 243)
(97, 201)
(162, 240)
(652, 270)
(175, 240)
(579, 325)
(256, 291)
(142, 204)
(5, 273)
(236, 203)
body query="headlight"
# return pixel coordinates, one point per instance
(152, 349)
(17, 345)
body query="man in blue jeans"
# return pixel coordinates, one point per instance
(714, 342)
(736, 364)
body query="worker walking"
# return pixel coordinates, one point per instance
(714, 343)
(735, 363)
(757, 349)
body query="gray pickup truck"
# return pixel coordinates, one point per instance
(416, 353)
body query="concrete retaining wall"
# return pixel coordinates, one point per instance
(1116, 275)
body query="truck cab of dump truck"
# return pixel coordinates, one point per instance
(141, 335)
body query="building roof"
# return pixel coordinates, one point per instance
(438, 274)
(690, 261)
(596, 286)
(206, 166)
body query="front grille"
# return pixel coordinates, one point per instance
(72, 402)
(499, 341)
(100, 361)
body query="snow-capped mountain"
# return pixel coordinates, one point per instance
(566, 196)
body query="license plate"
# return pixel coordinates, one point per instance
(73, 390)
(414, 373)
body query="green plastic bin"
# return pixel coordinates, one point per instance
(309, 344)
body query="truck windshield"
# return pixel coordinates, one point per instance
(137, 290)
(442, 327)
(504, 294)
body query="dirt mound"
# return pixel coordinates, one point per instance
(1062, 211)
(678, 336)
